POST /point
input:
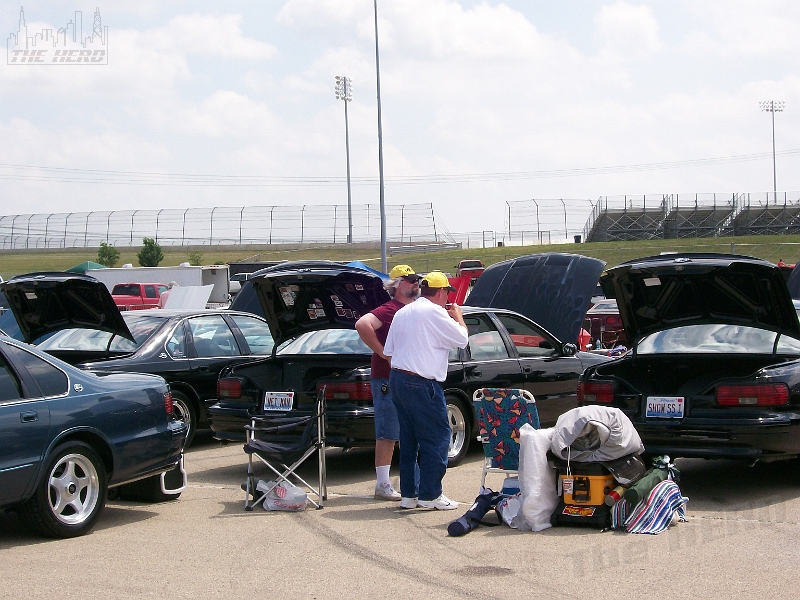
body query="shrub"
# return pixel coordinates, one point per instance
(150, 254)
(107, 255)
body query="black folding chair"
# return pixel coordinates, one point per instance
(287, 440)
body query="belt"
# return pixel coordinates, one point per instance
(409, 372)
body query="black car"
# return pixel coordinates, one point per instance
(713, 370)
(316, 307)
(67, 436)
(186, 347)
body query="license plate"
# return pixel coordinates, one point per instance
(665, 407)
(278, 401)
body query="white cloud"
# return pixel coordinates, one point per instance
(628, 30)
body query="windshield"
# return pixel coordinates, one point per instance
(717, 339)
(328, 341)
(140, 325)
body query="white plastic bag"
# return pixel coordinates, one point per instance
(537, 481)
(284, 496)
(510, 511)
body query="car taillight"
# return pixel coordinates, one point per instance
(595, 392)
(346, 390)
(230, 387)
(612, 320)
(168, 402)
(768, 394)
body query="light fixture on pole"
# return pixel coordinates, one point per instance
(384, 265)
(773, 106)
(344, 92)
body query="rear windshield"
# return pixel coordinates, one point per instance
(92, 340)
(717, 339)
(328, 341)
(471, 264)
(126, 289)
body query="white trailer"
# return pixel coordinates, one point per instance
(184, 275)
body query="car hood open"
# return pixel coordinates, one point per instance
(553, 289)
(44, 303)
(323, 296)
(663, 292)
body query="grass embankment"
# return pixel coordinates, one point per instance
(772, 248)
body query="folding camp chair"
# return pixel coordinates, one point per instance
(501, 412)
(285, 440)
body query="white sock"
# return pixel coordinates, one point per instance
(382, 473)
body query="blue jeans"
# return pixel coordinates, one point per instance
(424, 434)
(386, 425)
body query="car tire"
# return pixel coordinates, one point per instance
(149, 489)
(71, 494)
(460, 428)
(183, 410)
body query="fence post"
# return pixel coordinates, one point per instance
(211, 232)
(85, 232)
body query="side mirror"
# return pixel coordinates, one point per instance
(569, 349)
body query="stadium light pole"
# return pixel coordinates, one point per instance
(344, 92)
(773, 106)
(384, 265)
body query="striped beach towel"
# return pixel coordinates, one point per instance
(654, 513)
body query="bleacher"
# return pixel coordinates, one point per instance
(627, 218)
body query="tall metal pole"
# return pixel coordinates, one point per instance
(773, 106)
(344, 91)
(384, 265)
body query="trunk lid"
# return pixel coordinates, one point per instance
(320, 296)
(552, 289)
(662, 292)
(44, 303)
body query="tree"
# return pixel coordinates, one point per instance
(150, 254)
(107, 255)
(195, 259)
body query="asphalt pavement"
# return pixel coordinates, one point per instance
(741, 541)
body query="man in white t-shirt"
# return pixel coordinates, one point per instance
(419, 343)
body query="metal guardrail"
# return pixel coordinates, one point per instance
(423, 248)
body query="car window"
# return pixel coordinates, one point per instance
(528, 340)
(176, 344)
(328, 341)
(788, 345)
(716, 338)
(93, 340)
(123, 289)
(256, 333)
(51, 381)
(213, 337)
(605, 305)
(485, 342)
(150, 291)
(162, 289)
(9, 385)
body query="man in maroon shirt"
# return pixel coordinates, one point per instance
(373, 327)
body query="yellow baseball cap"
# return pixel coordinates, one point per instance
(402, 271)
(436, 279)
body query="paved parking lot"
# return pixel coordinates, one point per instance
(741, 540)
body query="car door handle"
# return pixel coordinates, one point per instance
(527, 369)
(29, 416)
(474, 371)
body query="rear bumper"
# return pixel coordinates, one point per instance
(751, 438)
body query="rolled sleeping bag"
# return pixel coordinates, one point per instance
(472, 518)
(645, 485)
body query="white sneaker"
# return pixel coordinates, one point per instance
(408, 503)
(441, 503)
(385, 491)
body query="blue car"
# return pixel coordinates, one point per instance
(67, 436)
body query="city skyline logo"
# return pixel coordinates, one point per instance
(66, 46)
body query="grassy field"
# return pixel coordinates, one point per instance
(772, 248)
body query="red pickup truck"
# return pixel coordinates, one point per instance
(134, 296)
(473, 268)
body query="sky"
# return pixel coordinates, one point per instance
(484, 104)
